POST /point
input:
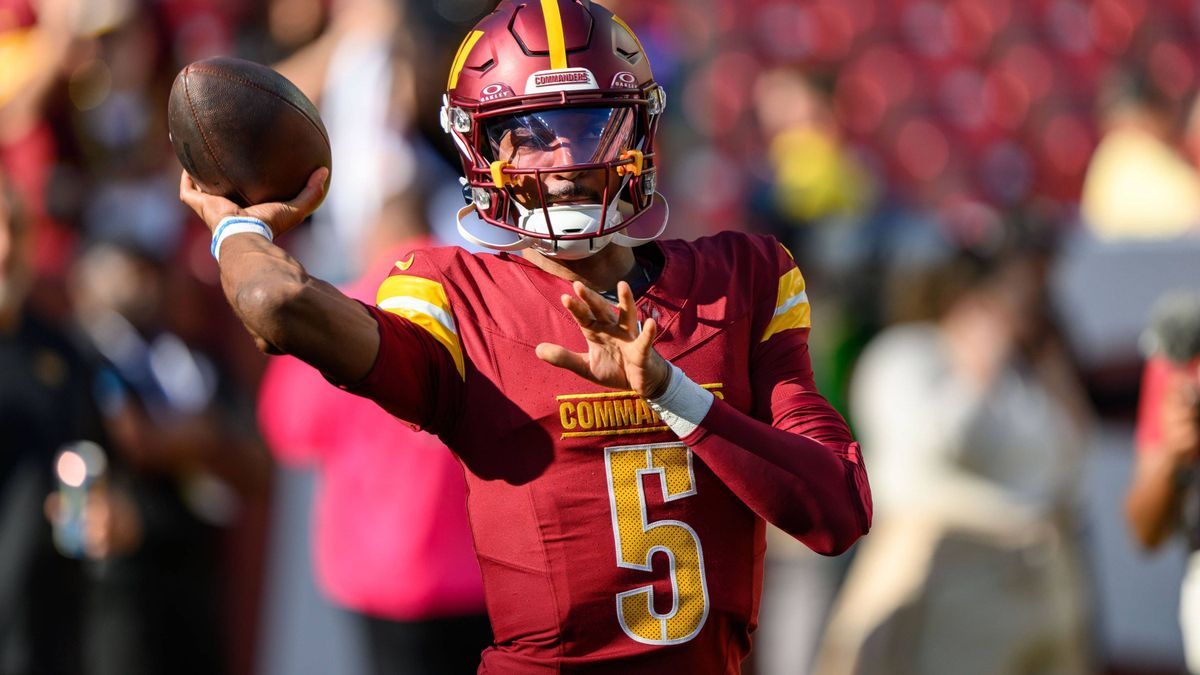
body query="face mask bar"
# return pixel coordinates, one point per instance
(639, 186)
(488, 184)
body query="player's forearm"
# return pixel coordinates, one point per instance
(814, 492)
(1152, 505)
(294, 313)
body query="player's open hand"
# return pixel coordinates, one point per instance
(618, 356)
(279, 216)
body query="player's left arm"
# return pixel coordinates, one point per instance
(793, 460)
(801, 472)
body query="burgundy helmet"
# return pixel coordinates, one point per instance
(553, 108)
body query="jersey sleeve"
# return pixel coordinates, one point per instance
(793, 461)
(420, 371)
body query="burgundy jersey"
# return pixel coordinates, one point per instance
(607, 543)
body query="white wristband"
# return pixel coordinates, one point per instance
(683, 405)
(231, 225)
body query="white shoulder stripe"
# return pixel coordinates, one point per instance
(427, 308)
(796, 299)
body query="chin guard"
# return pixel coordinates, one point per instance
(641, 228)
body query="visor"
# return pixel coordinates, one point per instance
(562, 137)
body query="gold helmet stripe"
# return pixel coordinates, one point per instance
(460, 59)
(554, 35)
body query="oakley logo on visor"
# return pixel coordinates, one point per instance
(494, 92)
(571, 79)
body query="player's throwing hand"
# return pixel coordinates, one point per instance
(279, 216)
(618, 356)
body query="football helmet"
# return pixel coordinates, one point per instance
(553, 109)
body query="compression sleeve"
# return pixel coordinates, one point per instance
(802, 472)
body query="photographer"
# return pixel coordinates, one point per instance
(1162, 498)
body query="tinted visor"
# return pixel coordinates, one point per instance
(562, 136)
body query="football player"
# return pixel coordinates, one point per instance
(630, 412)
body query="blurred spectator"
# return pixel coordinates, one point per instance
(1139, 184)
(392, 540)
(815, 179)
(37, 41)
(392, 543)
(813, 182)
(360, 73)
(1163, 498)
(179, 465)
(45, 402)
(975, 426)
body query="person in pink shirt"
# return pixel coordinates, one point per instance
(391, 535)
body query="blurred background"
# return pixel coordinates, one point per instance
(987, 198)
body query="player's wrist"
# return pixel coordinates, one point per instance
(659, 377)
(683, 404)
(230, 226)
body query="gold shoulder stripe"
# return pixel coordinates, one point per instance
(554, 35)
(790, 284)
(423, 302)
(460, 59)
(791, 305)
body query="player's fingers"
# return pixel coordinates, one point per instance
(646, 338)
(283, 216)
(580, 310)
(600, 307)
(210, 208)
(188, 192)
(557, 355)
(627, 317)
(314, 191)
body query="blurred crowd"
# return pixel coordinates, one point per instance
(986, 196)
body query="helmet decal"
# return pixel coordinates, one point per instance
(571, 79)
(494, 92)
(624, 80)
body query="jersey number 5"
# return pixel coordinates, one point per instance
(638, 538)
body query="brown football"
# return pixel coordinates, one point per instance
(244, 131)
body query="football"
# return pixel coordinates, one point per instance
(245, 132)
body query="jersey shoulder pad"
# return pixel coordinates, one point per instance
(416, 290)
(427, 261)
(754, 253)
(784, 283)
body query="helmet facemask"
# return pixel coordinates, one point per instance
(566, 180)
(553, 108)
(565, 170)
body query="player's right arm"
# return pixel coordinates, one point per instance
(284, 308)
